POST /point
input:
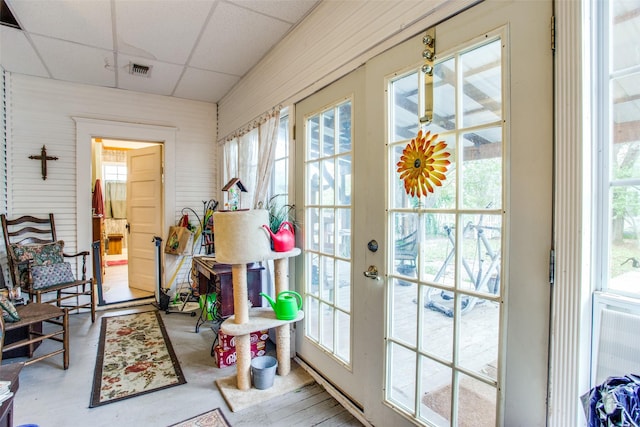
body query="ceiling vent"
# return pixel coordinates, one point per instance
(140, 70)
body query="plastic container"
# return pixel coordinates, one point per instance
(263, 369)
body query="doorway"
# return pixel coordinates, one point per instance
(111, 223)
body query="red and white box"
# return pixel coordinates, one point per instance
(227, 356)
(228, 341)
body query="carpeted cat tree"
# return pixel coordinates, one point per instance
(241, 239)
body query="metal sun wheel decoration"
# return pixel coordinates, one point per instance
(423, 164)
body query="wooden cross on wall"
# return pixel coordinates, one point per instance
(43, 160)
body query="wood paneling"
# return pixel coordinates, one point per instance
(42, 111)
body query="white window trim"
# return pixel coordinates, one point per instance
(570, 323)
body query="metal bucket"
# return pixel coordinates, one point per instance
(263, 369)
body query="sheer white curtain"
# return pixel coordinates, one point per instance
(267, 151)
(230, 160)
(249, 155)
(248, 165)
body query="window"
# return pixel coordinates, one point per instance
(617, 136)
(115, 172)
(280, 176)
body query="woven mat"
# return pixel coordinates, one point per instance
(135, 357)
(214, 418)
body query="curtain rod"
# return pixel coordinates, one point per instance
(251, 125)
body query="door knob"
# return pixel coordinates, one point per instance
(372, 273)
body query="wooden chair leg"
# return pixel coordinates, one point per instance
(93, 305)
(32, 346)
(65, 338)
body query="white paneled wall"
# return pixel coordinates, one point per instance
(41, 112)
(332, 41)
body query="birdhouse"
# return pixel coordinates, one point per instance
(233, 189)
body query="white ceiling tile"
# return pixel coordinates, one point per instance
(18, 55)
(73, 40)
(162, 77)
(288, 10)
(76, 63)
(85, 22)
(204, 85)
(236, 39)
(166, 32)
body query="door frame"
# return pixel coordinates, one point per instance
(86, 129)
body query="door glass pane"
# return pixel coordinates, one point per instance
(313, 138)
(444, 79)
(402, 364)
(482, 169)
(328, 132)
(476, 403)
(437, 253)
(481, 250)
(478, 337)
(327, 182)
(328, 223)
(482, 87)
(343, 335)
(444, 286)
(344, 128)
(437, 330)
(343, 284)
(326, 326)
(435, 404)
(404, 312)
(404, 107)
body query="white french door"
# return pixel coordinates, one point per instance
(453, 328)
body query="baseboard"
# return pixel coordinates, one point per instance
(335, 393)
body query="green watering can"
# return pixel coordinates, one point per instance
(287, 304)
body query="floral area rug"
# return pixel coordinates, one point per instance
(134, 357)
(213, 418)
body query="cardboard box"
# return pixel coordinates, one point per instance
(228, 341)
(227, 356)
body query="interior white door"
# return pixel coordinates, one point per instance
(456, 319)
(144, 214)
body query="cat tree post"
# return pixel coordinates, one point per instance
(283, 333)
(241, 311)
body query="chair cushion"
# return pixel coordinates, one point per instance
(9, 312)
(48, 275)
(39, 254)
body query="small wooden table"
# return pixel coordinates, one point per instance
(34, 314)
(11, 373)
(216, 277)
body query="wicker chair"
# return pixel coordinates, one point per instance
(37, 264)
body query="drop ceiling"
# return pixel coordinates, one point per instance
(195, 49)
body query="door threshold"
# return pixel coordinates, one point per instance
(124, 304)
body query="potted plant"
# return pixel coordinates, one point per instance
(279, 212)
(281, 223)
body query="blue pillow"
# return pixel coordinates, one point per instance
(45, 276)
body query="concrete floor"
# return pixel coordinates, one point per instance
(52, 397)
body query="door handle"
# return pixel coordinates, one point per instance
(128, 227)
(372, 273)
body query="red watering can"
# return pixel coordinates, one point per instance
(284, 239)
